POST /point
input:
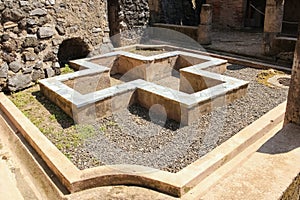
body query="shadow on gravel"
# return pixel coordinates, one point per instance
(142, 112)
(235, 67)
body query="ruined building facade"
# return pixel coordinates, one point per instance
(38, 37)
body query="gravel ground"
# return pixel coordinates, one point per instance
(134, 136)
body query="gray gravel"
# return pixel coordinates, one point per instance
(134, 137)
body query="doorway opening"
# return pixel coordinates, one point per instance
(255, 13)
(71, 49)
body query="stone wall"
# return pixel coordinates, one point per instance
(39, 36)
(178, 12)
(132, 18)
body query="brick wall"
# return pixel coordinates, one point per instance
(228, 13)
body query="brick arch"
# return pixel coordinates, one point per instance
(70, 49)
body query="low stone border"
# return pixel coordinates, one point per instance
(231, 59)
(176, 184)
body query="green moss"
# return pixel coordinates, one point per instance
(265, 75)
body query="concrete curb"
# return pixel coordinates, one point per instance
(173, 184)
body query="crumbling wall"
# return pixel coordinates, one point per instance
(179, 12)
(133, 17)
(32, 33)
(228, 13)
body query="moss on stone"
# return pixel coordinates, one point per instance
(265, 75)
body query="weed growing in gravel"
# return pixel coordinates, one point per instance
(102, 128)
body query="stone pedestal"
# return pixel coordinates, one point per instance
(204, 29)
(273, 25)
(293, 105)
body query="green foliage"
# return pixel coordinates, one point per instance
(66, 70)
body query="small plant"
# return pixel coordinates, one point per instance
(112, 123)
(52, 117)
(102, 128)
(66, 69)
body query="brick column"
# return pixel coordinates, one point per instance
(204, 29)
(273, 24)
(293, 106)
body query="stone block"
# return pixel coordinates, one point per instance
(37, 74)
(50, 2)
(38, 12)
(29, 56)
(15, 66)
(3, 70)
(12, 15)
(60, 29)
(9, 24)
(19, 82)
(49, 72)
(24, 3)
(30, 41)
(45, 32)
(5, 37)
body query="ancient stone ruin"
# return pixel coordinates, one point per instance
(39, 36)
(158, 117)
